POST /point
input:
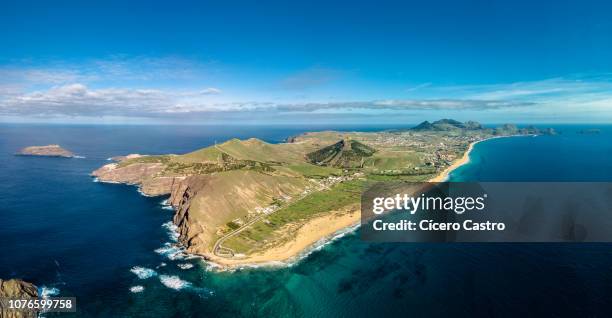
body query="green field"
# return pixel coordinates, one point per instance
(315, 204)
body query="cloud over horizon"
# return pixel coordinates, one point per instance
(79, 100)
(172, 87)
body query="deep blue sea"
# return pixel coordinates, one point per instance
(70, 235)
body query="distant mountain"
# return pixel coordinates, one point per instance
(447, 125)
(473, 125)
(426, 125)
(343, 154)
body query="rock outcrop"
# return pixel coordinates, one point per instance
(15, 288)
(131, 174)
(46, 151)
(203, 202)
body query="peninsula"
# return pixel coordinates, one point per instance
(46, 151)
(250, 202)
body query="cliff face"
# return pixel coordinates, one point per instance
(145, 175)
(204, 203)
(15, 288)
(189, 228)
(131, 174)
(214, 189)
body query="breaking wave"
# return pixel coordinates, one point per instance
(173, 282)
(48, 291)
(185, 266)
(170, 251)
(143, 272)
(136, 289)
(172, 230)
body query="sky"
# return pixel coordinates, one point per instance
(303, 62)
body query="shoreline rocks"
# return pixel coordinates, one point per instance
(16, 288)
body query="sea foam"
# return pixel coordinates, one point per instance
(173, 282)
(136, 289)
(48, 291)
(143, 272)
(185, 265)
(319, 245)
(172, 230)
(170, 251)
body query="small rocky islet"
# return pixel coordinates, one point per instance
(46, 151)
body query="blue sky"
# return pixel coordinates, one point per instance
(290, 62)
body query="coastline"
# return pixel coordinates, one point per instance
(316, 232)
(465, 159)
(319, 229)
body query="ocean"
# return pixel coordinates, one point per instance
(110, 247)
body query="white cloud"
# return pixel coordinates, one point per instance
(210, 91)
(40, 76)
(548, 89)
(79, 100)
(121, 86)
(403, 104)
(112, 70)
(418, 87)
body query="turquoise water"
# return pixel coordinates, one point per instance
(61, 230)
(569, 156)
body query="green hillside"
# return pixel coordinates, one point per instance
(343, 154)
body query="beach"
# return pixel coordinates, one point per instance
(318, 229)
(313, 231)
(443, 176)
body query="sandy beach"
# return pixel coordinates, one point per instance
(313, 231)
(443, 176)
(320, 228)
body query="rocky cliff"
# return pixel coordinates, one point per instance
(15, 288)
(147, 175)
(206, 194)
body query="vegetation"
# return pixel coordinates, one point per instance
(276, 188)
(315, 172)
(267, 231)
(343, 154)
(145, 159)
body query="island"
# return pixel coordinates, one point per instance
(252, 202)
(15, 288)
(46, 151)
